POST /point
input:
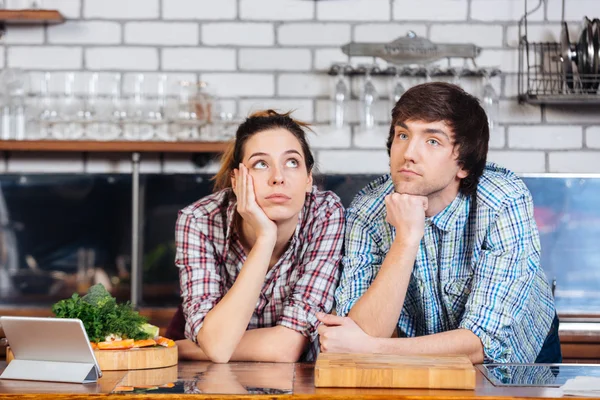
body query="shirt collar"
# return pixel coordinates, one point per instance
(445, 219)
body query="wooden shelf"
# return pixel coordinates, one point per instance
(112, 146)
(31, 17)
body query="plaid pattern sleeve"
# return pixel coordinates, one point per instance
(499, 309)
(200, 281)
(319, 268)
(361, 262)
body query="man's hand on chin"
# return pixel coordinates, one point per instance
(343, 335)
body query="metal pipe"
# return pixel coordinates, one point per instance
(135, 229)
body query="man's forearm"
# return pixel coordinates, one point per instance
(378, 310)
(458, 341)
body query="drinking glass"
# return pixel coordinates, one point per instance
(491, 102)
(340, 97)
(368, 99)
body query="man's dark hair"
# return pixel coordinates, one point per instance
(438, 101)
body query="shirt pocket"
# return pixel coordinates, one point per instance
(456, 292)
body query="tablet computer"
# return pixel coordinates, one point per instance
(49, 340)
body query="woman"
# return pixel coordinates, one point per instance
(259, 257)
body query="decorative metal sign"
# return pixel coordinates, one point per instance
(411, 49)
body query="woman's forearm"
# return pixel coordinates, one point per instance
(226, 323)
(275, 344)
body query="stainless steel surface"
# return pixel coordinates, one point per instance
(135, 230)
(411, 49)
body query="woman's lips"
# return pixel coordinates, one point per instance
(278, 198)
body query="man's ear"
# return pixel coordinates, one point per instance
(462, 173)
(309, 182)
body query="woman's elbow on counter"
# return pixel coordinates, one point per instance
(215, 352)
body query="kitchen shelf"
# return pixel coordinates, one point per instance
(112, 146)
(31, 17)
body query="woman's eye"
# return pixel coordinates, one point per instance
(291, 163)
(260, 165)
(433, 142)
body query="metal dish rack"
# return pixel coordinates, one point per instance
(544, 76)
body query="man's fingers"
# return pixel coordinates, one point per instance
(330, 319)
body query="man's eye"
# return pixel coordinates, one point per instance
(260, 165)
(433, 142)
(292, 163)
(402, 136)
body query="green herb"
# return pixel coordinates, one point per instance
(102, 316)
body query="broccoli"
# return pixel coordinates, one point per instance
(97, 295)
(102, 316)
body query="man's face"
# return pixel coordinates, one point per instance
(423, 159)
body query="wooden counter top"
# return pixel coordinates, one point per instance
(248, 380)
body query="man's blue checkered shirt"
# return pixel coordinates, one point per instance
(477, 268)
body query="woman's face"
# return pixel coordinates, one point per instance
(276, 163)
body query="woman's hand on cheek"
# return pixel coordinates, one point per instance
(249, 209)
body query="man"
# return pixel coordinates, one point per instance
(444, 250)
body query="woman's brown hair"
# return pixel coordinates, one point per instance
(255, 123)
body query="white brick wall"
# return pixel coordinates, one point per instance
(354, 10)
(24, 35)
(282, 10)
(48, 58)
(353, 161)
(302, 109)
(386, 32)
(544, 137)
(484, 35)
(122, 58)
(253, 34)
(592, 137)
(304, 85)
(520, 161)
(199, 9)
(430, 10)
(119, 9)
(325, 57)
(328, 137)
(236, 84)
(85, 32)
(275, 59)
(274, 54)
(574, 161)
(198, 59)
(575, 10)
(314, 34)
(502, 10)
(161, 33)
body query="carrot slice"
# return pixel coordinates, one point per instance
(116, 345)
(144, 343)
(163, 341)
(94, 345)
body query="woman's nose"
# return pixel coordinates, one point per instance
(277, 177)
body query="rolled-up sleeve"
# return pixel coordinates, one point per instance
(360, 264)
(314, 289)
(199, 280)
(502, 285)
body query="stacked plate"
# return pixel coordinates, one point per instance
(581, 60)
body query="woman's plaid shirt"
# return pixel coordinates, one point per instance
(210, 256)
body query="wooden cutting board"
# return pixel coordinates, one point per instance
(391, 371)
(144, 358)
